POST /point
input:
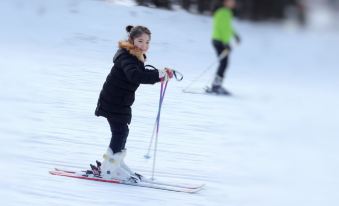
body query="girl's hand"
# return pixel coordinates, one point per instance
(169, 72)
(165, 74)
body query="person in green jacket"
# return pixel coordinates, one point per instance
(223, 33)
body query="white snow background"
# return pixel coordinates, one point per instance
(274, 143)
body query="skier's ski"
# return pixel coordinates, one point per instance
(206, 91)
(221, 91)
(147, 180)
(116, 181)
(194, 91)
(182, 185)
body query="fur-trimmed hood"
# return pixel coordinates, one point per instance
(132, 50)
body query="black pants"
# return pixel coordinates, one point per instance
(119, 135)
(220, 47)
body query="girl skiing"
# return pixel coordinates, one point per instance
(117, 96)
(223, 33)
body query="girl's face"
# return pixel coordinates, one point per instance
(230, 4)
(142, 42)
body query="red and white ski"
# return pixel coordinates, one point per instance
(154, 185)
(183, 185)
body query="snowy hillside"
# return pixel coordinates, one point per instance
(275, 143)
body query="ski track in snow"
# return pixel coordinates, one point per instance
(274, 143)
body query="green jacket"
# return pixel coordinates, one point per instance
(222, 25)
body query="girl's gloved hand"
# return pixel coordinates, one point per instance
(169, 72)
(165, 74)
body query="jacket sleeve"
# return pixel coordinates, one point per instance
(137, 75)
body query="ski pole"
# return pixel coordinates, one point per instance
(147, 155)
(179, 77)
(162, 95)
(223, 54)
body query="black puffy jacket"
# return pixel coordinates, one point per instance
(118, 92)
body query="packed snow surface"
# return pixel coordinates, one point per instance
(274, 143)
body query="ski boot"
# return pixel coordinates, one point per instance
(217, 87)
(111, 167)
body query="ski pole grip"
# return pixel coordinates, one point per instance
(177, 75)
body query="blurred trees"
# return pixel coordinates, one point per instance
(157, 3)
(200, 5)
(246, 9)
(267, 9)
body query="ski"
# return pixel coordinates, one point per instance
(182, 185)
(116, 181)
(224, 92)
(194, 91)
(147, 180)
(207, 90)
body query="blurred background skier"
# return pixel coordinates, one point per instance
(223, 33)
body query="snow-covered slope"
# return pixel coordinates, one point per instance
(274, 143)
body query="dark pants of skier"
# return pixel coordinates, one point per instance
(119, 135)
(220, 47)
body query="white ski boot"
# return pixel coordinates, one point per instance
(111, 167)
(126, 168)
